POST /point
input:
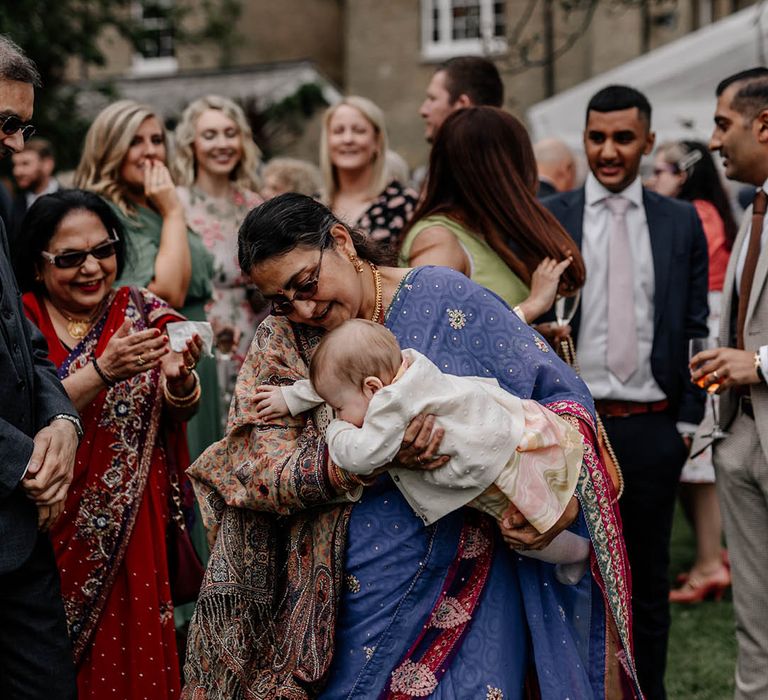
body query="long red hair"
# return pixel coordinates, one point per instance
(482, 173)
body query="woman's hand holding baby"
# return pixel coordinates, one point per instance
(270, 403)
(519, 534)
(420, 444)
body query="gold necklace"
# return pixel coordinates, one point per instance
(77, 327)
(377, 282)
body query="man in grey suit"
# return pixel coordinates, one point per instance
(740, 367)
(39, 431)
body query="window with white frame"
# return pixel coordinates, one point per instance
(156, 46)
(462, 27)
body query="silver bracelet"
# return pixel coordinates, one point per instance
(72, 419)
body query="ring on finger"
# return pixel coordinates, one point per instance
(419, 460)
(140, 361)
(189, 368)
(715, 375)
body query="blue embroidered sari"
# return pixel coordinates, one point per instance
(421, 614)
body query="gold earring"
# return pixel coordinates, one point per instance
(356, 262)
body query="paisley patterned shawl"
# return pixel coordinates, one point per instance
(277, 519)
(121, 427)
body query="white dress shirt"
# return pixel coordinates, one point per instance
(593, 334)
(31, 197)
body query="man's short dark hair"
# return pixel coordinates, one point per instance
(42, 147)
(751, 97)
(617, 97)
(749, 74)
(14, 65)
(476, 77)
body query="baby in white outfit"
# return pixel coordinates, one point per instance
(505, 453)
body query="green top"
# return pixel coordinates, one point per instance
(486, 267)
(142, 243)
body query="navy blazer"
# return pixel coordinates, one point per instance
(30, 396)
(680, 265)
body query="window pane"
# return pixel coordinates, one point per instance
(156, 26)
(499, 19)
(465, 16)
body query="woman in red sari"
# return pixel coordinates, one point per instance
(133, 394)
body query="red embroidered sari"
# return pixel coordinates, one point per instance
(110, 542)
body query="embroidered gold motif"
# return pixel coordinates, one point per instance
(540, 344)
(457, 319)
(368, 651)
(449, 614)
(353, 583)
(413, 679)
(494, 693)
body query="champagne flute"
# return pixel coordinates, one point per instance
(695, 346)
(565, 308)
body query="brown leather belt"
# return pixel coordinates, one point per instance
(609, 408)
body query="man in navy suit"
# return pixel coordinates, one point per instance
(644, 298)
(39, 431)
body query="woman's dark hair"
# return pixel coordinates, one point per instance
(45, 216)
(288, 221)
(703, 182)
(482, 173)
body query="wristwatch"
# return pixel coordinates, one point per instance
(759, 368)
(72, 419)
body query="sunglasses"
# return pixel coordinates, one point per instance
(76, 258)
(10, 125)
(282, 305)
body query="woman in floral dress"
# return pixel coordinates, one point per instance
(215, 166)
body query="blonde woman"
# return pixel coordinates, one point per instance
(124, 161)
(215, 164)
(353, 147)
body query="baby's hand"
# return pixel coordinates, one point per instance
(270, 403)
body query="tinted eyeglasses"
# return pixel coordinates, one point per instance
(76, 258)
(282, 305)
(11, 124)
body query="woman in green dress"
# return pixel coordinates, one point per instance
(479, 215)
(124, 161)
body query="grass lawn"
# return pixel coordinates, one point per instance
(702, 645)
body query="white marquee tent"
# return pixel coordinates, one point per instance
(679, 79)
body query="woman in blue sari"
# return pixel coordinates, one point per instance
(324, 586)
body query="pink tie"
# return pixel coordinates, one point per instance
(622, 330)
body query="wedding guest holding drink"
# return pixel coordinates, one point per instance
(686, 170)
(480, 215)
(739, 368)
(134, 395)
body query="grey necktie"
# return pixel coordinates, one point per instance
(622, 329)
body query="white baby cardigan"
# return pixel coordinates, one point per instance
(483, 426)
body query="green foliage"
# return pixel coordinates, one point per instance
(702, 643)
(52, 32)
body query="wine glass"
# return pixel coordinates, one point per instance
(695, 346)
(565, 308)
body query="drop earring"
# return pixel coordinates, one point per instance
(356, 262)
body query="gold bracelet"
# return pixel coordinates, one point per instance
(184, 401)
(344, 480)
(520, 314)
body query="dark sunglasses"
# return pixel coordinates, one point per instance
(282, 305)
(76, 258)
(10, 125)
